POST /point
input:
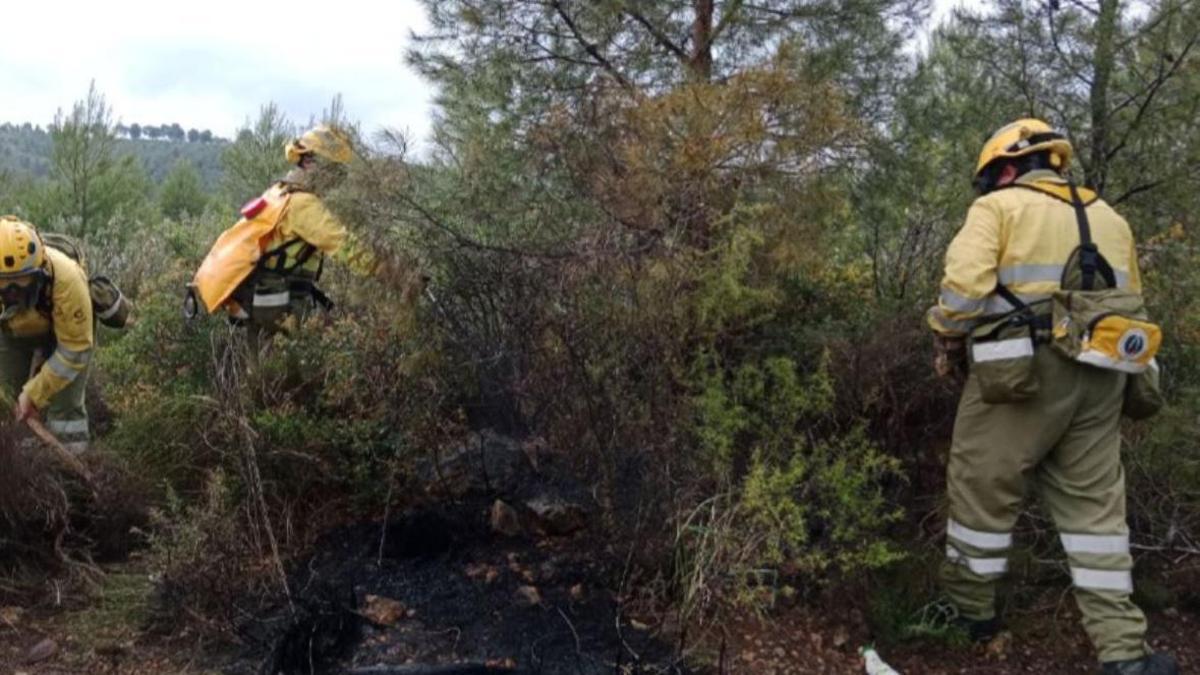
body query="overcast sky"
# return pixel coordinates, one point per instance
(211, 64)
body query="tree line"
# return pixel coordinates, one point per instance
(167, 132)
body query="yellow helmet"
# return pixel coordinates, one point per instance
(22, 253)
(1024, 137)
(323, 141)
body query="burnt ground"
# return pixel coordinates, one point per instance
(439, 591)
(443, 590)
(457, 606)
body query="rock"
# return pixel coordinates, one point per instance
(998, 647)
(528, 596)
(504, 519)
(484, 462)
(383, 611)
(840, 637)
(42, 651)
(555, 516)
(11, 615)
(476, 570)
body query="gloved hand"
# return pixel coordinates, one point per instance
(949, 356)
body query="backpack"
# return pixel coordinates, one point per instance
(109, 305)
(1090, 320)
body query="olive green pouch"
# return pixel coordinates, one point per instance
(110, 305)
(1001, 354)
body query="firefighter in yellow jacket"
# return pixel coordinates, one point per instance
(284, 282)
(46, 332)
(264, 269)
(1064, 442)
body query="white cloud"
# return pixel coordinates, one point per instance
(211, 65)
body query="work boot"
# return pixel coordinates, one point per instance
(1159, 663)
(979, 630)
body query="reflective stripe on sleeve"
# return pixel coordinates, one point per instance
(985, 540)
(1102, 580)
(978, 565)
(61, 369)
(999, 350)
(963, 305)
(70, 356)
(1095, 543)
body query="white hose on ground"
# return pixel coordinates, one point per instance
(875, 664)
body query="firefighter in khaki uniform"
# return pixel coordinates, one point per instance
(46, 319)
(1064, 442)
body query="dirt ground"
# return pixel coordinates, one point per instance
(442, 596)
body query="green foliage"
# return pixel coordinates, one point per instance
(182, 193)
(25, 152)
(255, 159)
(811, 504)
(95, 183)
(689, 250)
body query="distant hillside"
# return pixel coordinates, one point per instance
(26, 149)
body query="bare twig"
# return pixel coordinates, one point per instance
(578, 646)
(588, 46)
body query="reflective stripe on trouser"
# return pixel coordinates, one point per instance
(66, 415)
(1064, 443)
(274, 301)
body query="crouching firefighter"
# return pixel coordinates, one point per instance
(264, 270)
(1041, 303)
(47, 332)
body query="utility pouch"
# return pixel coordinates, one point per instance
(1143, 394)
(1001, 356)
(110, 305)
(1107, 329)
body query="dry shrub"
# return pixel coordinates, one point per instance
(884, 374)
(36, 501)
(34, 506)
(54, 528)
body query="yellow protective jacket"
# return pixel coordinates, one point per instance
(306, 221)
(67, 323)
(286, 230)
(1021, 236)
